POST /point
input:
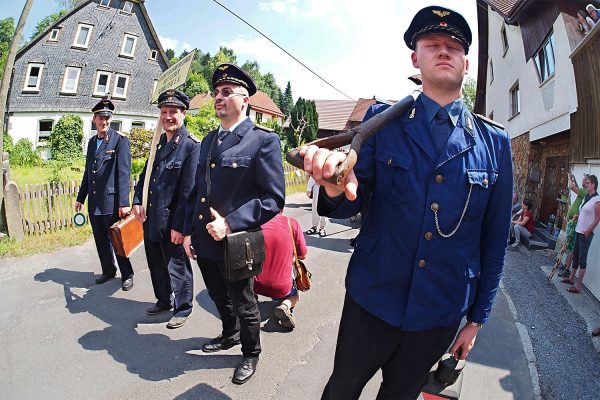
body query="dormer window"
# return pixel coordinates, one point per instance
(53, 35)
(128, 46)
(153, 54)
(127, 7)
(105, 3)
(82, 37)
(33, 77)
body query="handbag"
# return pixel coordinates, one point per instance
(303, 275)
(445, 379)
(126, 235)
(244, 254)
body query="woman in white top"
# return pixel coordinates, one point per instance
(585, 23)
(589, 216)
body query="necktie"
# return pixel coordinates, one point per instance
(441, 130)
(222, 136)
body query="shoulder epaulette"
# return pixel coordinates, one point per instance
(264, 128)
(489, 121)
(194, 138)
(121, 133)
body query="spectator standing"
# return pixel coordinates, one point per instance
(318, 222)
(572, 215)
(589, 216)
(276, 279)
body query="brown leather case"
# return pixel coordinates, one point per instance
(126, 235)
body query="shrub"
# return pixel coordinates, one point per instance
(7, 143)
(137, 165)
(66, 138)
(141, 139)
(23, 154)
(203, 122)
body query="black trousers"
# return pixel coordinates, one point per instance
(100, 226)
(365, 344)
(171, 272)
(236, 304)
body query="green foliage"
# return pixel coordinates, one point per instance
(56, 167)
(7, 143)
(286, 103)
(66, 138)
(23, 154)
(137, 165)
(469, 91)
(7, 32)
(203, 122)
(303, 125)
(195, 84)
(269, 86)
(170, 53)
(46, 22)
(141, 140)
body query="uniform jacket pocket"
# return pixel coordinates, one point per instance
(236, 161)
(395, 169)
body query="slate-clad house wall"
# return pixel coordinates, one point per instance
(55, 50)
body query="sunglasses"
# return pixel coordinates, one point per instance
(225, 93)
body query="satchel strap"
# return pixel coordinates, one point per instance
(293, 244)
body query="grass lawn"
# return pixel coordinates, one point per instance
(35, 244)
(43, 174)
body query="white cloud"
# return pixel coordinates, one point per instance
(278, 6)
(177, 46)
(186, 46)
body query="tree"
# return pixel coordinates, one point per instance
(170, 53)
(304, 123)
(286, 101)
(469, 90)
(194, 85)
(269, 86)
(66, 138)
(46, 22)
(7, 31)
(203, 122)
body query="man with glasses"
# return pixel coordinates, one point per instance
(239, 186)
(105, 183)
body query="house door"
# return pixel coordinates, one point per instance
(555, 180)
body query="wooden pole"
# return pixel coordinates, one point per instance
(150, 163)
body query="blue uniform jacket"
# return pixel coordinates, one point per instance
(106, 177)
(172, 178)
(247, 185)
(402, 270)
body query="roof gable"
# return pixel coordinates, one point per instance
(333, 114)
(260, 101)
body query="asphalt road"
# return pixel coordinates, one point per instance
(63, 337)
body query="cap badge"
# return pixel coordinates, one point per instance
(441, 14)
(223, 67)
(412, 113)
(177, 139)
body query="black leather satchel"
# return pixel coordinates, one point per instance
(244, 254)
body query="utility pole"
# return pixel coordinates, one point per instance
(5, 85)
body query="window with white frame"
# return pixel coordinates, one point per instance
(116, 125)
(128, 46)
(504, 38)
(44, 129)
(544, 59)
(71, 80)
(102, 84)
(33, 77)
(515, 100)
(105, 3)
(53, 35)
(82, 37)
(138, 124)
(127, 7)
(120, 86)
(153, 54)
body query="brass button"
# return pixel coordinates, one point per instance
(153, 180)
(151, 192)
(203, 200)
(200, 216)
(157, 168)
(421, 263)
(94, 182)
(428, 236)
(434, 206)
(150, 205)
(212, 165)
(439, 178)
(94, 192)
(390, 161)
(485, 182)
(234, 165)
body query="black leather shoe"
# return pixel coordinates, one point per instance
(245, 370)
(127, 284)
(219, 344)
(103, 279)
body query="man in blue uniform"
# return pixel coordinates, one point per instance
(106, 185)
(239, 186)
(172, 176)
(431, 248)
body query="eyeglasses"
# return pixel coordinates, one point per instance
(225, 93)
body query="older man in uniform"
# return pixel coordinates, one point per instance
(106, 185)
(239, 186)
(432, 246)
(172, 176)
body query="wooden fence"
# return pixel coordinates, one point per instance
(48, 207)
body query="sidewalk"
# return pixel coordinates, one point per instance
(64, 337)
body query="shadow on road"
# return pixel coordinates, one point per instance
(203, 391)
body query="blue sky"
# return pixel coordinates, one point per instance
(356, 45)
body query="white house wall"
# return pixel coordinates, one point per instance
(553, 100)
